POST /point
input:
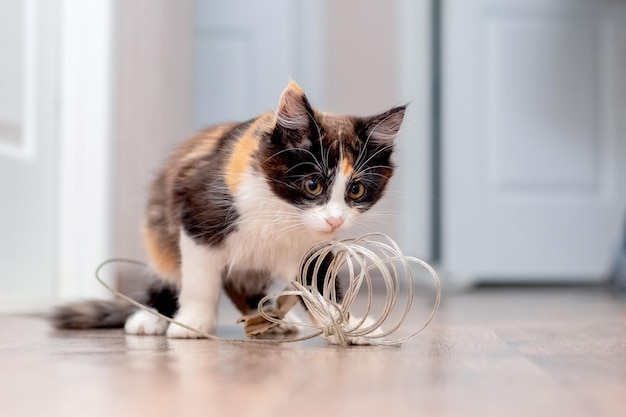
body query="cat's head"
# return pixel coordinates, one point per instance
(331, 168)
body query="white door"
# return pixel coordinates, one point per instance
(243, 59)
(27, 153)
(54, 141)
(534, 138)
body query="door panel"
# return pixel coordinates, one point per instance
(243, 60)
(11, 51)
(27, 153)
(534, 138)
(538, 107)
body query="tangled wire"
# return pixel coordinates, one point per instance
(364, 260)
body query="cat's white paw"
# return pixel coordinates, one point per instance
(358, 340)
(146, 323)
(195, 321)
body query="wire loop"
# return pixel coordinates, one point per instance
(358, 258)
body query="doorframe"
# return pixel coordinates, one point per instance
(25, 149)
(85, 126)
(69, 77)
(40, 21)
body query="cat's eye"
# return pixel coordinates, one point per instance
(312, 187)
(356, 190)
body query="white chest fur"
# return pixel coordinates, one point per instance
(271, 234)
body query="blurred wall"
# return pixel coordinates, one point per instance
(360, 56)
(153, 104)
(360, 75)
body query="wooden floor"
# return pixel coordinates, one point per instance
(488, 353)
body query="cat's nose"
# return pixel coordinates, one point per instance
(334, 222)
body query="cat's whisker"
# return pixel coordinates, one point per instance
(381, 149)
(384, 119)
(375, 221)
(269, 220)
(326, 159)
(406, 195)
(380, 213)
(276, 154)
(301, 164)
(367, 140)
(317, 126)
(286, 209)
(285, 229)
(362, 153)
(269, 216)
(369, 168)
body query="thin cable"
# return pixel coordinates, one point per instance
(176, 322)
(359, 258)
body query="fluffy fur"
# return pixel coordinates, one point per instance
(237, 206)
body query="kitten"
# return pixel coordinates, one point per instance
(238, 205)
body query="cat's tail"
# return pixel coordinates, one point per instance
(102, 314)
(91, 314)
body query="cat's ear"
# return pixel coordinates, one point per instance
(294, 112)
(382, 129)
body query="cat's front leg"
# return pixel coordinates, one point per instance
(202, 268)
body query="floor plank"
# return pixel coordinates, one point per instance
(488, 353)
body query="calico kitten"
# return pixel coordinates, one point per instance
(238, 205)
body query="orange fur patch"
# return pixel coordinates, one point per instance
(295, 87)
(346, 167)
(205, 142)
(165, 259)
(243, 151)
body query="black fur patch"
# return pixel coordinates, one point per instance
(318, 280)
(91, 314)
(286, 170)
(206, 207)
(163, 297)
(318, 158)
